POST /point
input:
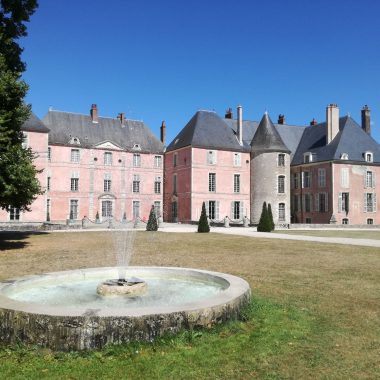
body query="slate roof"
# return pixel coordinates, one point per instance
(64, 126)
(34, 124)
(267, 139)
(351, 139)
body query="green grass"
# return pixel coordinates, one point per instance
(335, 233)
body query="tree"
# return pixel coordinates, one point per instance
(18, 184)
(152, 224)
(203, 220)
(270, 215)
(264, 223)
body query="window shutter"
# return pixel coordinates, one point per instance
(311, 199)
(207, 208)
(217, 210)
(302, 180)
(365, 202)
(241, 209)
(299, 203)
(365, 179)
(303, 202)
(326, 202)
(373, 179)
(374, 203)
(317, 202)
(340, 202)
(232, 210)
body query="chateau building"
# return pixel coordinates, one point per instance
(105, 167)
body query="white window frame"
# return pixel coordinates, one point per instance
(370, 179)
(237, 159)
(136, 209)
(281, 184)
(345, 178)
(157, 161)
(107, 159)
(281, 160)
(212, 182)
(75, 155)
(321, 177)
(136, 188)
(306, 179)
(14, 214)
(157, 185)
(281, 212)
(368, 156)
(74, 206)
(211, 157)
(107, 208)
(237, 183)
(136, 160)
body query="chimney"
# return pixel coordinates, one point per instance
(239, 129)
(314, 122)
(281, 119)
(366, 119)
(121, 117)
(229, 114)
(163, 132)
(332, 122)
(94, 113)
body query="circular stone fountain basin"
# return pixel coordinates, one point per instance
(63, 311)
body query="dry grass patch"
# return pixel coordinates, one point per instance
(375, 235)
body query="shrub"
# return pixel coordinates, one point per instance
(203, 221)
(270, 216)
(152, 224)
(264, 223)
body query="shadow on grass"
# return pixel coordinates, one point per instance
(16, 239)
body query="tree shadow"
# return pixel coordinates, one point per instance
(15, 239)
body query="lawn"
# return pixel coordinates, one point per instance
(335, 233)
(315, 312)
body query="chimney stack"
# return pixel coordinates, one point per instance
(94, 113)
(121, 117)
(281, 119)
(229, 114)
(366, 119)
(239, 129)
(314, 122)
(163, 132)
(332, 122)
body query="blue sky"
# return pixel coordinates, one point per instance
(164, 60)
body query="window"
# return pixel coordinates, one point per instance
(281, 184)
(75, 155)
(175, 183)
(309, 157)
(211, 157)
(236, 210)
(308, 220)
(157, 208)
(24, 142)
(237, 159)
(369, 179)
(211, 210)
(175, 159)
(369, 221)
(107, 185)
(49, 153)
(136, 209)
(48, 204)
(136, 160)
(281, 159)
(236, 183)
(344, 221)
(306, 180)
(368, 156)
(295, 204)
(321, 177)
(48, 183)
(344, 177)
(106, 209)
(369, 202)
(321, 202)
(281, 212)
(344, 202)
(307, 202)
(74, 185)
(174, 211)
(73, 209)
(136, 183)
(157, 161)
(107, 158)
(14, 213)
(157, 185)
(344, 156)
(136, 147)
(296, 180)
(212, 182)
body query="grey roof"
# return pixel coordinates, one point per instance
(206, 130)
(351, 139)
(267, 139)
(64, 126)
(34, 124)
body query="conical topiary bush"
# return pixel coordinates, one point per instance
(152, 224)
(270, 215)
(203, 221)
(264, 223)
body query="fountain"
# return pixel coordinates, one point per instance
(64, 310)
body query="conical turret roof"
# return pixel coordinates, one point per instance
(267, 139)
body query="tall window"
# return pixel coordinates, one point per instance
(14, 213)
(344, 178)
(295, 180)
(343, 202)
(369, 202)
(49, 153)
(48, 183)
(175, 155)
(107, 158)
(211, 182)
(307, 202)
(236, 183)
(174, 210)
(48, 206)
(106, 209)
(281, 159)
(369, 179)
(236, 210)
(136, 183)
(107, 182)
(136, 160)
(281, 184)
(368, 156)
(295, 204)
(74, 185)
(211, 157)
(321, 202)
(306, 180)
(237, 159)
(73, 208)
(174, 183)
(321, 177)
(157, 161)
(157, 208)
(136, 209)
(281, 212)
(75, 155)
(157, 185)
(212, 209)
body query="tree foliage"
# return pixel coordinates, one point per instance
(203, 220)
(18, 183)
(264, 223)
(152, 224)
(270, 216)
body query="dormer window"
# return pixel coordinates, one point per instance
(74, 141)
(368, 156)
(136, 147)
(344, 156)
(309, 157)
